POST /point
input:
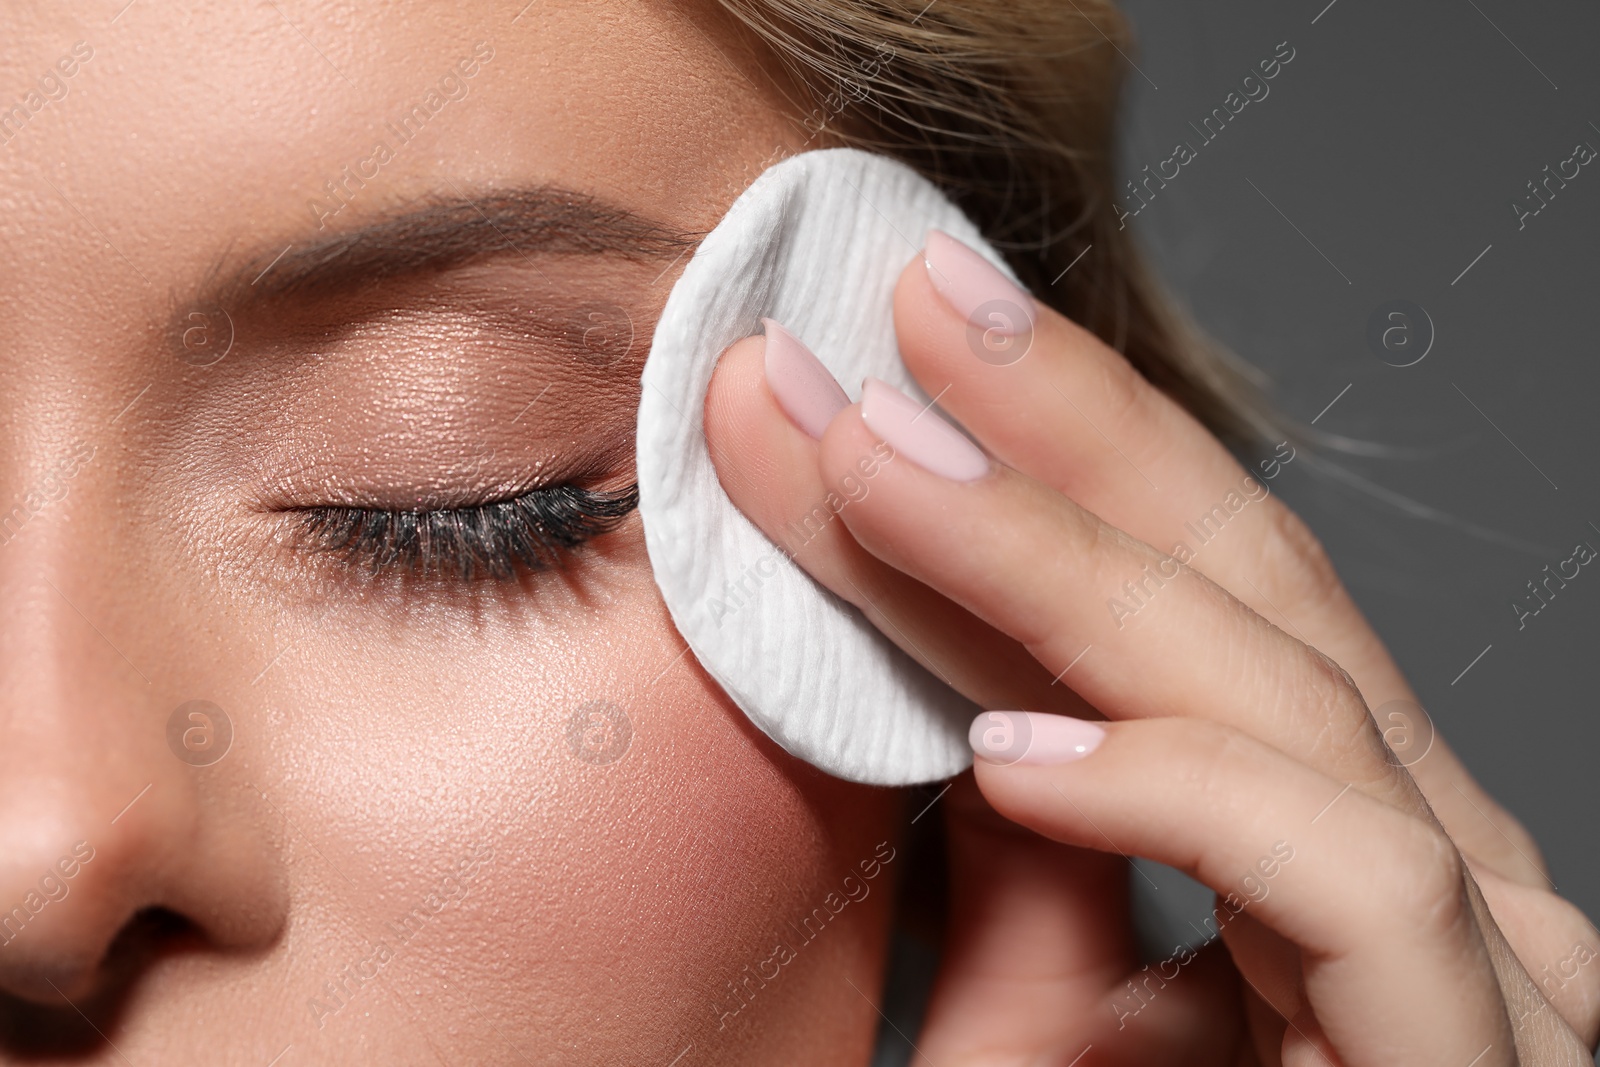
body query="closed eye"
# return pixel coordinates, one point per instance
(498, 539)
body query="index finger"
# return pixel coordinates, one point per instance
(1055, 402)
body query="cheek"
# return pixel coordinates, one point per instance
(647, 842)
(669, 878)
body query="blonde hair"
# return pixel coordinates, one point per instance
(1010, 106)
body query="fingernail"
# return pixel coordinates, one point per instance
(917, 432)
(804, 389)
(971, 284)
(1007, 737)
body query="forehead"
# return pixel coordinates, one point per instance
(149, 143)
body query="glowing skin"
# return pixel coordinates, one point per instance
(419, 847)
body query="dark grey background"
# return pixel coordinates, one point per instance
(1380, 167)
(1384, 161)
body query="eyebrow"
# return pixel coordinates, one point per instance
(444, 232)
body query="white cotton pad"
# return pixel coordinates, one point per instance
(817, 243)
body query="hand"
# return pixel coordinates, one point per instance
(1369, 913)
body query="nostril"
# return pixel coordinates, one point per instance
(35, 1031)
(71, 915)
(72, 1011)
(52, 981)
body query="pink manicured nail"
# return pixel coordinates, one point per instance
(971, 284)
(805, 390)
(919, 433)
(1007, 737)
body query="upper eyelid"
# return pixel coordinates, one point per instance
(601, 333)
(308, 489)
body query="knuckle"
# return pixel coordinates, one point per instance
(1351, 739)
(1430, 877)
(1335, 699)
(1095, 553)
(1302, 571)
(1125, 396)
(1332, 682)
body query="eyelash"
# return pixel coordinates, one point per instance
(532, 532)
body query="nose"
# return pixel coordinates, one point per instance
(101, 816)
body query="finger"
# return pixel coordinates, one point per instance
(1271, 963)
(1073, 413)
(767, 464)
(1557, 945)
(1194, 1018)
(1194, 650)
(1060, 405)
(1038, 567)
(1038, 952)
(1027, 960)
(1395, 967)
(1036, 930)
(1305, 1044)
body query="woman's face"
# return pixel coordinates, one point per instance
(277, 278)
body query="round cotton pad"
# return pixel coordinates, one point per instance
(817, 243)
